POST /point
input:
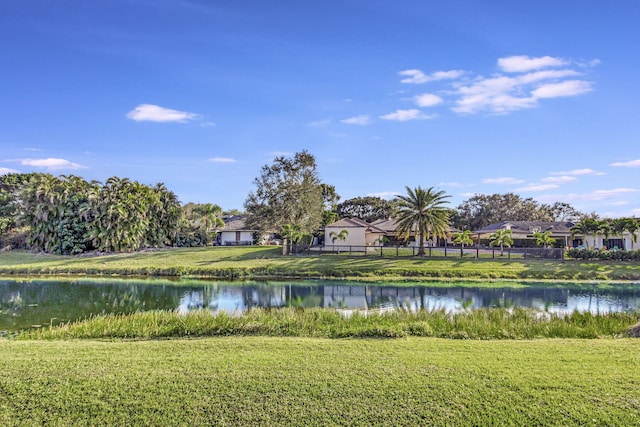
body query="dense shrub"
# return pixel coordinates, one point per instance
(597, 254)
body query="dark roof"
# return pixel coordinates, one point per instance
(234, 223)
(525, 227)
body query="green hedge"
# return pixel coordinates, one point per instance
(596, 254)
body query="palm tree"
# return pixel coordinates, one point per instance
(501, 238)
(604, 228)
(585, 227)
(292, 233)
(342, 236)
(423, 210)
(544, 238)
(463, 238)
(632, 227)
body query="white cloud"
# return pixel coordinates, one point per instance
(502, 180)
(155, 113)
(32, 149)
(559, 179)
(523, 63)
(565, 88)
(281, 153)
(584, 171)
(537, 187)
(594, 196)
(207, 124)
(406, 115)
(51, 164)
(222, 160)
(361, 120)
(5, 171)
(629, 164)
(417, 76)
(384, 194)
(428, 100)
(495, 94)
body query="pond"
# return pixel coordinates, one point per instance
(35, 303)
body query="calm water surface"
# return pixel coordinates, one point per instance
(26, 304)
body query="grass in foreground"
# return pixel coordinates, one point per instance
(305, 381)
(265, 262)
(481, 324)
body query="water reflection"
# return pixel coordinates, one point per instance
(39, 303)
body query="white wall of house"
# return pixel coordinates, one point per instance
(626, 237)
(356, 236)
(236, 236)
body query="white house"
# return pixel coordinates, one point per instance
(235, 232)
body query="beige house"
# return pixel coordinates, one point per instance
(525, 230)
(362, 233)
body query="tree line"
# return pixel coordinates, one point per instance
(68, 215)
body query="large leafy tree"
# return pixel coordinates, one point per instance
(288, 191)
(368, 208)
(423, 211)
(481, 210)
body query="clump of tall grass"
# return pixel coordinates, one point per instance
(483, 324)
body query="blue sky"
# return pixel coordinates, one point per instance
(537, 98)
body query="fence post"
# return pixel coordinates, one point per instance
(477, 252)
(509, 254)
(380, 251)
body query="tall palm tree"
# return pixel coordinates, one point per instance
(501, 238)
(463, 238)
(424, 211)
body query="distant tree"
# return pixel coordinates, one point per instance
(481, 210)
(366, 208)
(501, 238)
(330, 199)
(562, 212)
(424, 211)
(463, 238)
(287, 192)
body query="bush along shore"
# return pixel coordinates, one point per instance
(482, 324)
(266, 262)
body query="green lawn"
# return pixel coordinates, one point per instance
(266, 262)
(306, 381)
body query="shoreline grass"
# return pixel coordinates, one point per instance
(480, 324)
(265, 263)
(311, 381)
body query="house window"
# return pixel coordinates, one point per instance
(534, 229)
(507, 227)
(238, 235)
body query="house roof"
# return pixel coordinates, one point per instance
(234, 223)
(387, 226)
(527, 227)
(355, 223)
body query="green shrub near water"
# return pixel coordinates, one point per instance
(496, 323)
